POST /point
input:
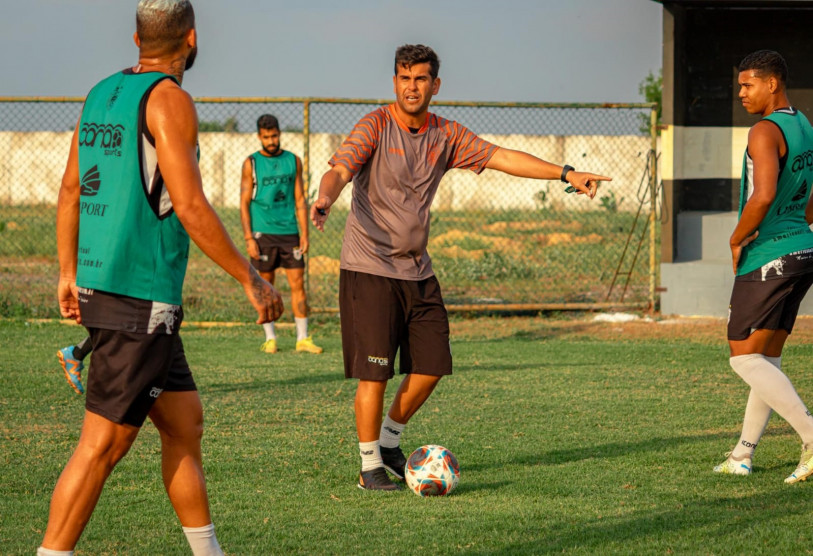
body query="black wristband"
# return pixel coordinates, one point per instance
(565, 170)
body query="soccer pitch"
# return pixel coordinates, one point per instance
(573, 437)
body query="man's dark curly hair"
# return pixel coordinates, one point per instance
(766, 63)
(408, 55)
(267, 121)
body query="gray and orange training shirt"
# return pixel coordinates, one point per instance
(395, 177)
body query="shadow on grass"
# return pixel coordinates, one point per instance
(490, 366)
(469, 487)
(266, 384)
(602, 451)
(541, 333)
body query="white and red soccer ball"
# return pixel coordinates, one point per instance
(432, 470)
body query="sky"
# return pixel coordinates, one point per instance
(505, 50)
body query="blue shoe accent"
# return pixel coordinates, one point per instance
(72, 367)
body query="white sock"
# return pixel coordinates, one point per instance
(270, 333)
(48, 552)
(202, 540)
(370, 455)
(391, 433)
(301, 328)
(775, 389)
(757, 415)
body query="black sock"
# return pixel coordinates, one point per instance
(81, 350)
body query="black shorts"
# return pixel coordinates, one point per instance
(277, 251)
(381, 315)
(769, 297)
(130, 370)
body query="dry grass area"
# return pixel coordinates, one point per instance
(695, 329)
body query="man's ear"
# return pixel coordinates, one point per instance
(192, 38)
(136, 39)
(436, 86)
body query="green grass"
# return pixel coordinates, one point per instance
(534, 256)
(567, 444)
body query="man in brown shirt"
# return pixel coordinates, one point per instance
(389, 297)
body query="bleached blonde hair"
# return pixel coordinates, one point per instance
(163, 24)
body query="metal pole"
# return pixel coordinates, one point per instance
(653, 184)
(306, 174)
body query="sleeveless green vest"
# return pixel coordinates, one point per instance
(273, 205)
(130, 240)
(784, 229)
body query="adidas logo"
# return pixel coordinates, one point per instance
(91, 182)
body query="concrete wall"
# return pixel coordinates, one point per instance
(33, 162)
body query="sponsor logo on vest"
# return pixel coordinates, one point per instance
(155, 392)
(114, 96)
(104, 136)
(275, 180)
(802, 161)
(802, 193)
(279, 197)
(790, 208)
(383, 361)
(91, 182)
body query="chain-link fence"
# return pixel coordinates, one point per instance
(496, 241)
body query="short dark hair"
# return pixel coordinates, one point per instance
(408, 55)
(766, 63)
(163, 24)
(267, 121)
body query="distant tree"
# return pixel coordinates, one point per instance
(228, 125)
(651, 88)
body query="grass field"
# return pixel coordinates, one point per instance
(573, 437)
(530, 256)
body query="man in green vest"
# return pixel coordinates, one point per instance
(131, 197)
(274, 214)
(772, 253)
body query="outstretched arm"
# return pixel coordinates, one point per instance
(524, 165)
(330, 188)
(172, 120)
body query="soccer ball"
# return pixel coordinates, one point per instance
(432, 470)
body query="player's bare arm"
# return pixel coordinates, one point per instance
(765, 146)
(172, 120)
(301, 207)
(246, 190)
(330, 188)
(67, 233)
(524, 165)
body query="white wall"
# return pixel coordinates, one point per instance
(31, 170)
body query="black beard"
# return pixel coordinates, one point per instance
(271, 153)
(190, 60)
